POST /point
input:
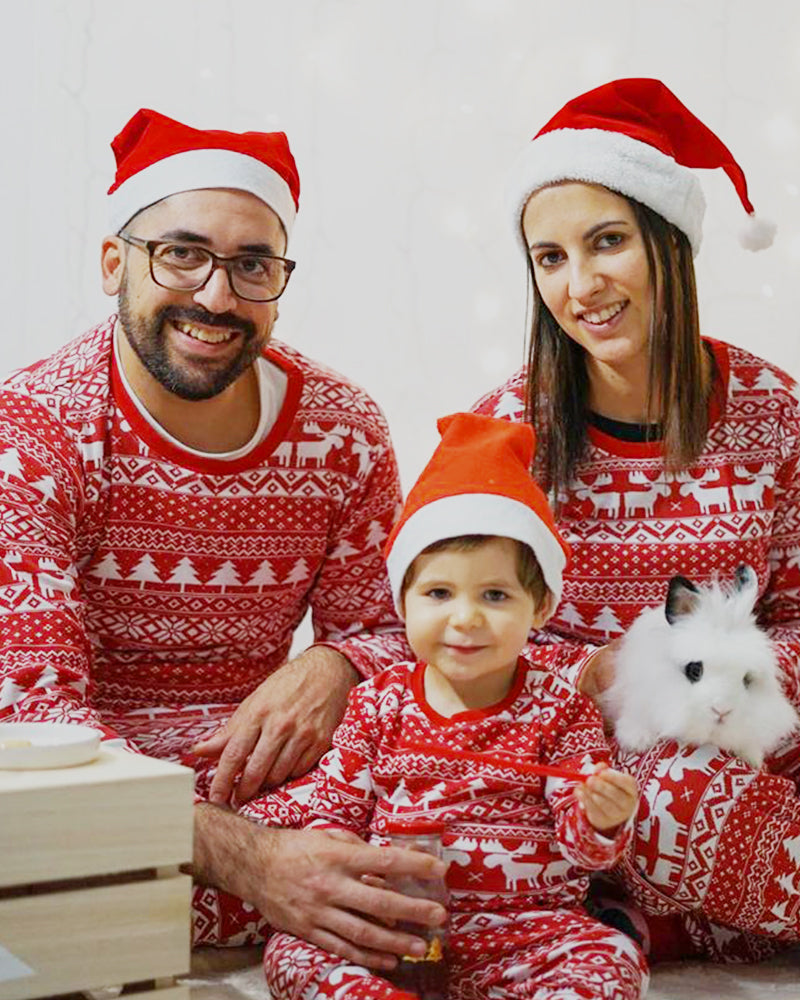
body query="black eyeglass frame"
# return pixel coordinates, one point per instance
(217, 260)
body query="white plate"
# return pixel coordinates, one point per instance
(52, 744)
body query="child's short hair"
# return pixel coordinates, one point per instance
(529, 572)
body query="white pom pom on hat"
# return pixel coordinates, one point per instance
(478, 482)
(635, 137)
(756, 233)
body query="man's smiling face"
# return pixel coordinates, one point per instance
(197, 343)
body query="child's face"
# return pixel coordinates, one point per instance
(468, 615)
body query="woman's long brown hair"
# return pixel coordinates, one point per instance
(557, 389)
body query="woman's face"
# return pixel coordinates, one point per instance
(591, 269)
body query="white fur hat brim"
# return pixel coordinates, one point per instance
(198, 169)
(476, 514)
(616, 161)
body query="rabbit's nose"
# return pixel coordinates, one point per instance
(720, 715)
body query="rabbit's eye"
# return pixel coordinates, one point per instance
(694, 671)
(747, 680)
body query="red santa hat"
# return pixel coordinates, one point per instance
(478, 482)
(157, 157)
(634, 137)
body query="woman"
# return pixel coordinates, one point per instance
(664, 454)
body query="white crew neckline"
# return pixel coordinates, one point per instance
(272, 383)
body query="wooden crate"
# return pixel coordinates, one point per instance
(90, 891)
(120, 812)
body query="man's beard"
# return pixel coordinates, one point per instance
(148, 342)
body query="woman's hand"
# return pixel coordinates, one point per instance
(598, 673)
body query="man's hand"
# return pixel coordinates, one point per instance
(282, 728)
(316, 884)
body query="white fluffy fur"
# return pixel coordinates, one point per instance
(652, 699)
(618, 162)
(757, 234)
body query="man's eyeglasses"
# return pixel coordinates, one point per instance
(184, 267)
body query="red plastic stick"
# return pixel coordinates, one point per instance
(550, 771)
(541, 770)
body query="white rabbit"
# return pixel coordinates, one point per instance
(699, 670)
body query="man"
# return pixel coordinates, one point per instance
(176, 488)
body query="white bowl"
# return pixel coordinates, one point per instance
(52, 744)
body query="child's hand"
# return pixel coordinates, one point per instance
(608, 798)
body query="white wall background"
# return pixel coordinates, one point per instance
(403, 118)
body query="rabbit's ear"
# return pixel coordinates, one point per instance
(745, 577)
(745, 586)
(682, 598)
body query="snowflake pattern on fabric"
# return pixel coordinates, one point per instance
(519, 845)
(137, 576)
(146, 590)
(714, 839)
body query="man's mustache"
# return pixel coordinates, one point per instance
(230, 321)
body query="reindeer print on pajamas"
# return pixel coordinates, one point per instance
(712, 844)
(520, 847)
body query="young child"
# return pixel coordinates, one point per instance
(475, 562)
